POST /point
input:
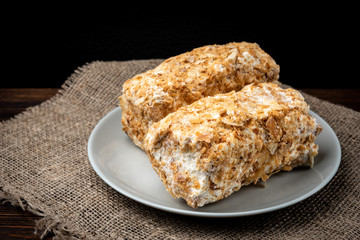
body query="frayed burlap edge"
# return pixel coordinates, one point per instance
(49, 223)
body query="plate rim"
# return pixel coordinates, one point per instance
(193, 212)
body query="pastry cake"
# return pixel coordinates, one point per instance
(209, 149)
(188, 77)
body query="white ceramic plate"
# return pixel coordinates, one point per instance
(127, 169)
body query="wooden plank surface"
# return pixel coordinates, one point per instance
(18, 224)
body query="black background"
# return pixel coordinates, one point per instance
(315, 47)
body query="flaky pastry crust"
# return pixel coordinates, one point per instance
(188, 77)
(207, 150)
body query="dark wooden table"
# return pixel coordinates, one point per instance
(17, 224)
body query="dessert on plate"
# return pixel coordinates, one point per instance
(181, 80)
(205, 151)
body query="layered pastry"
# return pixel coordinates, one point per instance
(188, 77)
(205, 151)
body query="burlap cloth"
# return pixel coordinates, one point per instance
(44, 168)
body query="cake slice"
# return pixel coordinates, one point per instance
(207, 150)
(188, 77)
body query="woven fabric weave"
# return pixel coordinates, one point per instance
(44, 168)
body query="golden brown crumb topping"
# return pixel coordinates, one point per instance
(188, 77)
(205, 151)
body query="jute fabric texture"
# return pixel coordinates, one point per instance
(44, 168)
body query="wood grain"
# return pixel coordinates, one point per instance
(347, 97)
(16, 100)
(18, 224)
